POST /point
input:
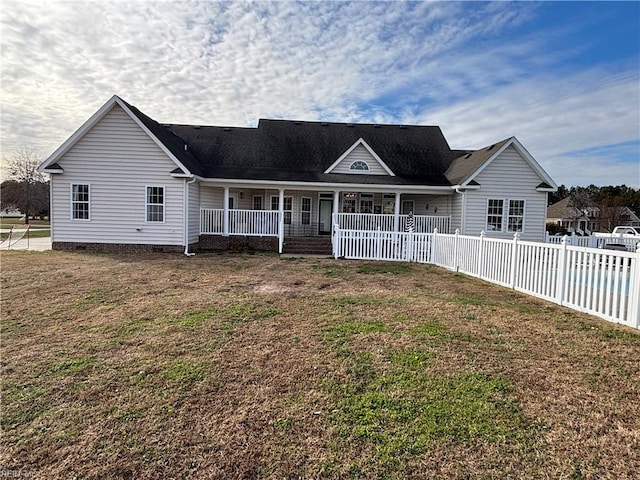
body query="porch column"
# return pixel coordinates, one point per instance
(225, 218)
(396, 213)
(336, 200)
(280, 220)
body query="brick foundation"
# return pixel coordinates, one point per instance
(236, 243)
(116, 247)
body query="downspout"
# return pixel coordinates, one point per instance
(186, 217)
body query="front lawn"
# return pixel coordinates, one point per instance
(251, 366)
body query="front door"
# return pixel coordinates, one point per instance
(326, 209)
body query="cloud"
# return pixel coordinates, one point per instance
(230, 63)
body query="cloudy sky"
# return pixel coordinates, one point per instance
(563, 77)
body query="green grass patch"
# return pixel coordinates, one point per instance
(331, 270)
(185, 373)
(399, 412)
(394, 268)
(71, 366)
(432, 329)
(342, 332)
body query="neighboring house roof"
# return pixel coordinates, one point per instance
(297, 151)
(564, 210)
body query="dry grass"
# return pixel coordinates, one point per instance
(241, 366)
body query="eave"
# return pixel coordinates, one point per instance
(328, 186)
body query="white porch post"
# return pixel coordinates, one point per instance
(396, 213)
(336, 200)
(225, 218)
(281, 220)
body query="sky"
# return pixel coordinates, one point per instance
(562, 77)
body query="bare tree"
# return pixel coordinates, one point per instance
(612, 211)
(27, 192)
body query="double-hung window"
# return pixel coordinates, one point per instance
(80, 201)
(155, 202)
(305, 210)
(505, 215)
(515, 222)
(287, 207)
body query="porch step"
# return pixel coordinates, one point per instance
(308, 245)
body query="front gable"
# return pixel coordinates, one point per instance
(50, 165)
(512, 155)
(360, 159)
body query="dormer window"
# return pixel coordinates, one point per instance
(359, 165)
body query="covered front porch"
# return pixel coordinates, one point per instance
(285, 213)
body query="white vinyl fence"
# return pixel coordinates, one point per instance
(598, 240)
(602, 282)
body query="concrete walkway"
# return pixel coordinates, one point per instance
(34, 244)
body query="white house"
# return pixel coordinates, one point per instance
(124, 182)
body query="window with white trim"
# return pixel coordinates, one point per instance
(505, 215)
(80, 201)
(257, 202)
(366, 203)
(494, 214)
(388, 203)
(515, 222)
(287, 210)
(407, 207)
(359, 165)
(305, 210)
(154, 204)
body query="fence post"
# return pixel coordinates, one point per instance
(378, 244)
(562, 270)
(634, 291)
(434, 247)
(481, 255)
(513, 274)
(336, 241)
(455, 250)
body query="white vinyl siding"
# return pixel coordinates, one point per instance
(194, 212)
(360, 154)
(508, 176)
(119, 160)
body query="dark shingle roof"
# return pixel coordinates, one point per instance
(173, 143)
(469, 161)
(287, 150)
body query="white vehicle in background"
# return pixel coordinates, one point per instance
(625, 230)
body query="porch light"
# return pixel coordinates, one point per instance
(350, 195)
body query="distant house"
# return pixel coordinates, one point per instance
(589, 219)
(11, 213)
(569, 218)
(123, 181)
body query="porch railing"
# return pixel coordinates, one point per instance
(241, 222)
(385, 222)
